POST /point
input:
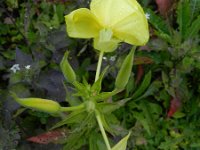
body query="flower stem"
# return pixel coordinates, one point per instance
(102, 130)
(72, 108)
(99, 66)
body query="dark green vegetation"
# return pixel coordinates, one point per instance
(164, 110)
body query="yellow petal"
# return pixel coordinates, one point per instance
(110, 12)
(132, 29)
(81, 23)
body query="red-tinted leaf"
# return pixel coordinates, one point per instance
(174, 106)
(142, 60)
(163, 6)
(49, 137)
(140, 72)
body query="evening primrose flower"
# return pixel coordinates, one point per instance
(109, 22)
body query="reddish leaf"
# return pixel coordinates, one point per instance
(140, 72)
(174, 106)
(163, 6)
(142, 60)
(49, 137)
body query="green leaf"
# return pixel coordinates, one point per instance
(193, 29)
(110, 107)
(195, 145)
(195, 8)
(96, 142)
(143, 121)
(183, 17)
(60, 8)
(121, 145)
(145, 83)
(74, 117)
(159, 24)
(75, 140)
(153, 88)
(178, 114)
(147, 113)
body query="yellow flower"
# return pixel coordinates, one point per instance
(109, 22)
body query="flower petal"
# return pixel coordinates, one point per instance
(81, 23)
(110, 12)
(133, 29)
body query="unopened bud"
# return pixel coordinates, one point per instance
(67, 69)
(39, 104)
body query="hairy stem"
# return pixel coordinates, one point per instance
(99, 66)
(98, 117)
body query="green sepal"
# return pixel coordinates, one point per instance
(96, 87)
(125, 70)
(121, 145)
(82, 90)
(67, 69)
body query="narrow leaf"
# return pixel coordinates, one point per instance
(194, 28)
(143, 121)
(144, 85)
(159, 24)
(195, 8)
(183, 16)
(74, 117)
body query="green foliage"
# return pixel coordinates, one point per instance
(40, 41)
(183, 17)
(145, 83)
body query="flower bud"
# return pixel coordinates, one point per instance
(39, 104)
(67, 69)
(125, 71)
